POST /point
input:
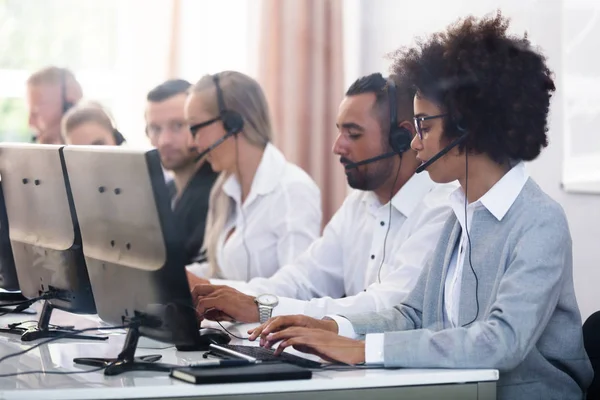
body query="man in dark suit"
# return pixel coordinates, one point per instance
(192, 181)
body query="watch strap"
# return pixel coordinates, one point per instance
(264, 313)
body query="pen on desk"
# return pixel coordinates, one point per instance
(221, 363)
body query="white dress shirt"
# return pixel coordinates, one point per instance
(497, 201)
(279, 219)
(346, 260)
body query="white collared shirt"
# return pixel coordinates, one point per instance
(279, 219)
(497, 201)
(346, 260)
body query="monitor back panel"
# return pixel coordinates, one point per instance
(43, 226)
(134, 257)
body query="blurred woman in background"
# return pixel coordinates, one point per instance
(90, 124)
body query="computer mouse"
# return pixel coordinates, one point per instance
(214, 336)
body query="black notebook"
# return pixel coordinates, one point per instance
(246, 373)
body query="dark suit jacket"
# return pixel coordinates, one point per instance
(191, 208)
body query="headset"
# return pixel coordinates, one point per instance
(399, 137)
(118, 136)
(66, 105)
(232, 121)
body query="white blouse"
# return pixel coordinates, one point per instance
(280, 218)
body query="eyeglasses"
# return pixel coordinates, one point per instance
(195, 128)
(419, 120)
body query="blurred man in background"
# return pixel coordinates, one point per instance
(51, 92)
(192, 180)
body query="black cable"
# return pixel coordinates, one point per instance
(237, 161)
(61, 336)
(469, 239)
(22, 305)
(231, 334)
(221, 325)
(389, 222)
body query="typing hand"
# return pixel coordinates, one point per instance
(279, 323)
(327, 345)
(223, 303)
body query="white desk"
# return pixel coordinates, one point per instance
(352, 384)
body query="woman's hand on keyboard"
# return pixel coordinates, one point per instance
(325, 344)
(277, 324)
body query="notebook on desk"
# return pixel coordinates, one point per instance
(246, 373)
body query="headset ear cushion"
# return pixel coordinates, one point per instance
(400, 139)
(67, 105)
(119, 138)
(232, 121)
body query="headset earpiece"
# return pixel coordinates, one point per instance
(233, 122)
(119, 138)
(66, 105)
(399, 137)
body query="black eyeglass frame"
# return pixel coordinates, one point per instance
(195, 128)
(418, 120)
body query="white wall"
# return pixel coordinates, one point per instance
(385, 25)
(216, 36)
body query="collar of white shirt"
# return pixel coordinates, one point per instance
(407, 198)
(267, 177)
(500, 197)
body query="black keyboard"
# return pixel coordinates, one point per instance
(266, 355)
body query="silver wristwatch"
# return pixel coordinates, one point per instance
(266, 303)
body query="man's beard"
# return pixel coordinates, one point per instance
(180, 164)
(372, 175)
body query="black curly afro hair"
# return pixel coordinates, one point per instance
(492, 85)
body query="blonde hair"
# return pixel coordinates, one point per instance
(63, 77)
(82, 113)
(244, 95)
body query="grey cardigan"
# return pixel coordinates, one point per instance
(529, 325)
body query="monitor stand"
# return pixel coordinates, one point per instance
(126, 360)
(43, 330)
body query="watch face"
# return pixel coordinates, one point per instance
(267, 299)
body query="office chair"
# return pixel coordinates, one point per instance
(591, 342)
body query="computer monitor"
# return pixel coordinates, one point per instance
(8, 274)
(44, 234)
(11, 298)
(134, 253)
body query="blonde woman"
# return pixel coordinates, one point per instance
(90, 124)
(263, 210)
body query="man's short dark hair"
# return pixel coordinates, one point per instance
(168, 89)
(493, 85)
(377, 84)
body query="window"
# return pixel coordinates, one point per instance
(119, 50)
(80, 35)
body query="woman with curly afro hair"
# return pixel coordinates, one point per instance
(497, 291)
